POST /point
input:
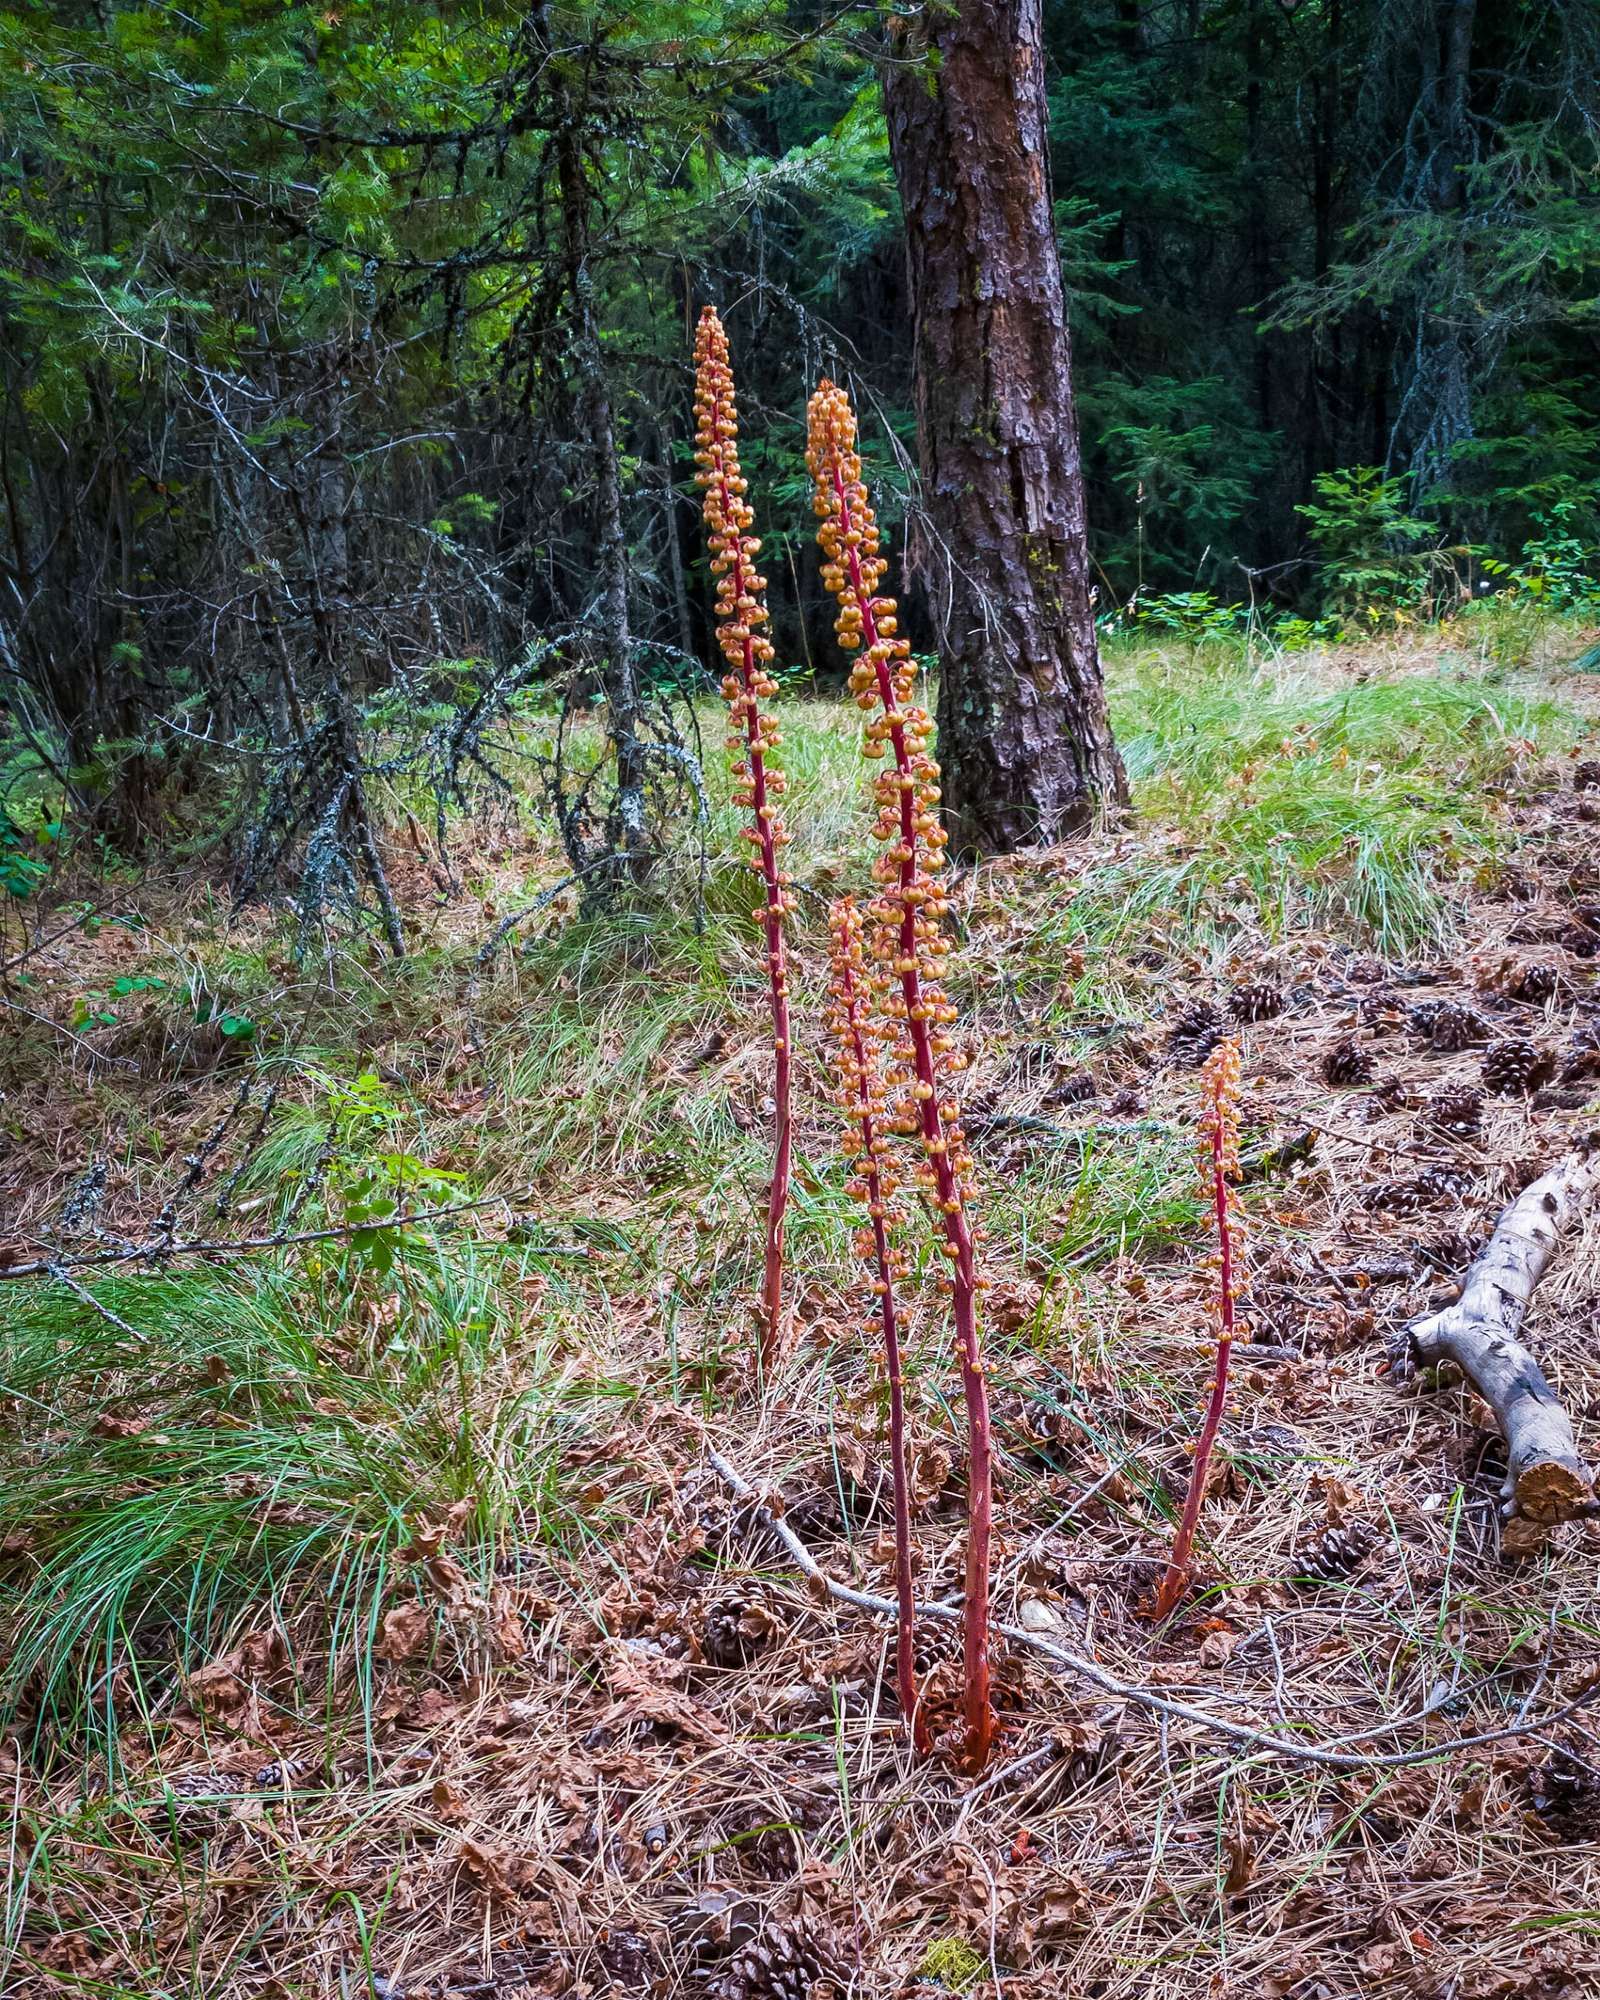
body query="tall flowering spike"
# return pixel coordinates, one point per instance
(906, 945)
(1219, 1173)
(752, 738)
(856, 1032)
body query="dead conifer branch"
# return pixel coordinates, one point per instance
(1339, 1754)
(1546, 1479)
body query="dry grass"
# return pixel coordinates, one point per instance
(597, 1697)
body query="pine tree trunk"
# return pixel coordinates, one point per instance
(1024, 741)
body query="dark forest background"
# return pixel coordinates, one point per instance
(346, 382)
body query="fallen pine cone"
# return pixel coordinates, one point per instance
(1338, 1552)
(1394, 1093)
(789, 1959)
(628, 1957)
(1194, 1033)
(1346, 1063)
(1450, 1253)
(1257, 1000)
(1393, 1198)
(1515, 1067)
(1458, 1112)
(1447, 1026)
(1520, 978)
(1581, 1059)
(735, 1629)
(1565, 1796)
(1536, 983)
(1435, 1187)
(1076, 1087)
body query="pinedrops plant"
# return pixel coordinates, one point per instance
(752, 738)
(857, 1032)
(906, 944)
(1219, 1170)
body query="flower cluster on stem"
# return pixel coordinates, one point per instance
(1219, 1173)
(906, 946)
(752, 739)
(857, 1032)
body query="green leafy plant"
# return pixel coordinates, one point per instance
(94, 1009)
(22, 866)
(1559, 568)
(1195, 615)
(374, 1190)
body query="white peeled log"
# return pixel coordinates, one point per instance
(1546, 1479)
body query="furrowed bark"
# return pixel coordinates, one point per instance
(1546, 1478)
(1024, 740)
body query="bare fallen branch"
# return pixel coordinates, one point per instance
(1546, 1479)
(160, 1252)
(1339, 1754)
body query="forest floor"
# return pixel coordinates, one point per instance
(377, 1624)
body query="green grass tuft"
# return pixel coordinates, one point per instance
(261, 1452)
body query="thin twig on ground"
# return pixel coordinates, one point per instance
(1337, 1754)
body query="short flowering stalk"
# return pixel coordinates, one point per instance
(856, 1032)
(752, 738)
(907, 945)
(1219, 1171)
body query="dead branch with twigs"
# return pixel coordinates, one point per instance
(1339, 1754)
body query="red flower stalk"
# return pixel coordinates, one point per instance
(1219, 1170)
(856, 1033)
(907, 945)
(752, 738)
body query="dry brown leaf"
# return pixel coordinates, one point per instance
(451, 1584)
(110, 1425)
(499, 1873)
(449, 1801)
(641, 1694)
(1035, 1614)
(263, 1652)
(428, 1536)
(929, 1471)
(407, 1628)
(225, 1688)
(507, 1634)
(218, 1691)
(1241, 1853)
(1039, 1917)
(1216, 1648)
